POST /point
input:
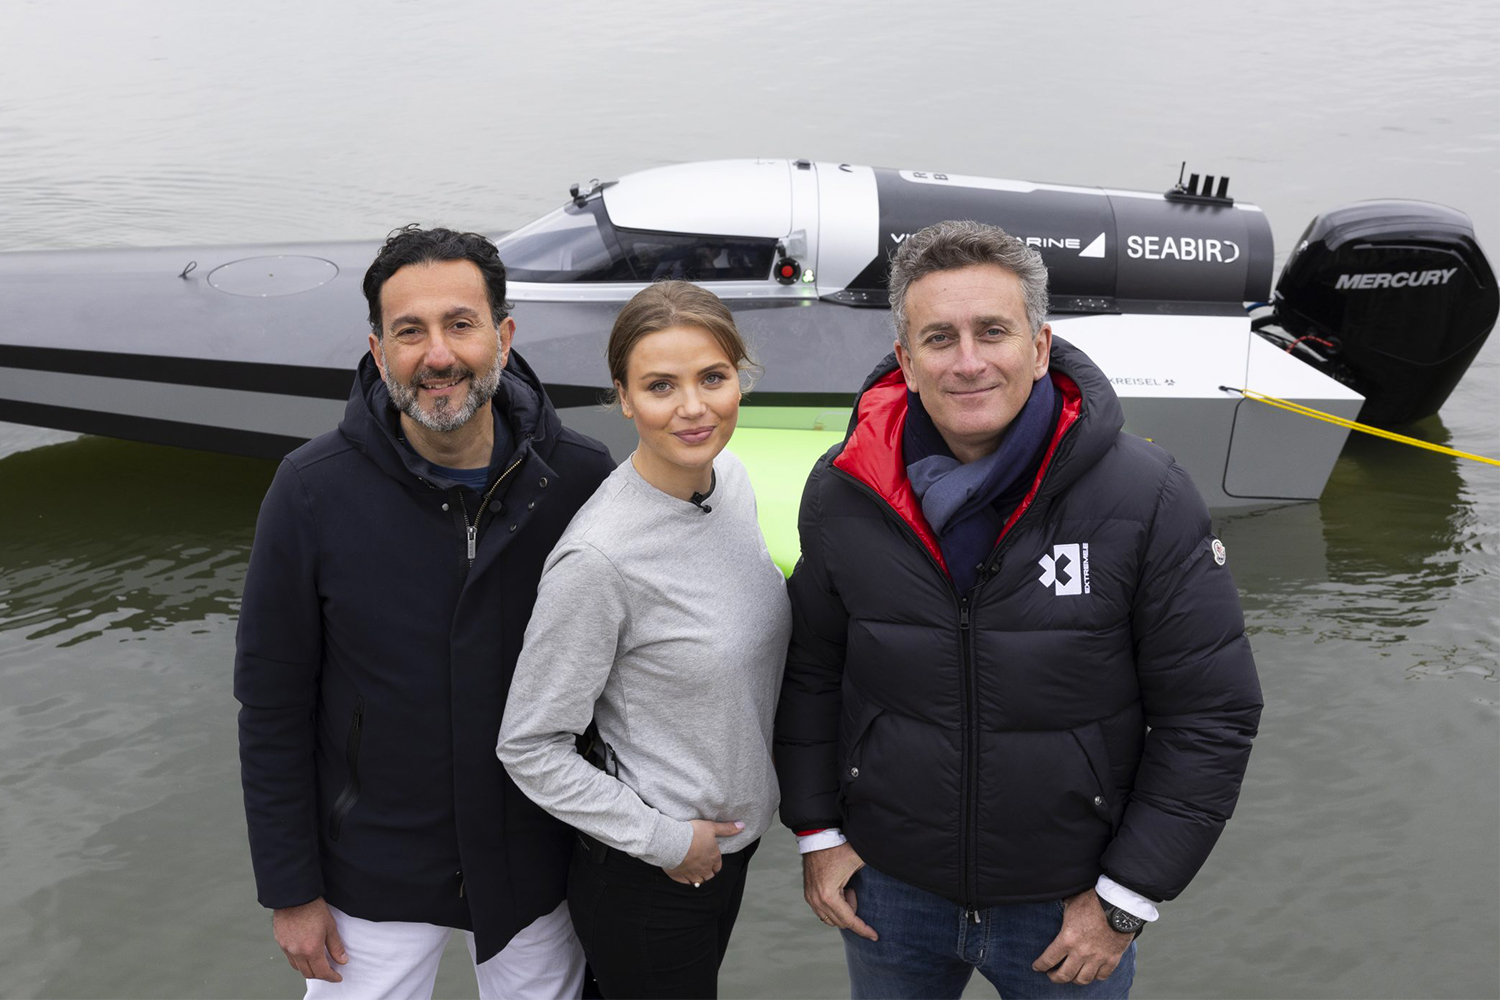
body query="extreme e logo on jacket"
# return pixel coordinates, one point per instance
(1066, 570)
(1401, 279)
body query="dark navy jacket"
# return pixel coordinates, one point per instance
(372, 666)
(1087, 707)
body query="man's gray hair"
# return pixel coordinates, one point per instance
(948, 246)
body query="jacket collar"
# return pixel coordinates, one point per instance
(372, 426)
(872, 451)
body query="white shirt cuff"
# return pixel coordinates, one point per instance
(1131, 902)
(821, 841)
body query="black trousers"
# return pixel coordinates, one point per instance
(646, 935)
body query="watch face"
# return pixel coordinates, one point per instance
(1124, 922)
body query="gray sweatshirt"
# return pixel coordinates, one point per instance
(668, 626)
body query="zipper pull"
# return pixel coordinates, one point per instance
(974, 914)
(473, 532)
(963, 622)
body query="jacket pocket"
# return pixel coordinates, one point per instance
(1090, 739)
(850, 774)
(350, 794)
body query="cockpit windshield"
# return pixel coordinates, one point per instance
(580, 244)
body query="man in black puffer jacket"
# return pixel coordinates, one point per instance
(395, 566)
(1019, 700)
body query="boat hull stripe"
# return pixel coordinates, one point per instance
(292, 380)
(249, 376)
(150, 430)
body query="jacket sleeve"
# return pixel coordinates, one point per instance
(278, 656)
(807, 714)
(564, 665)
(1201, 698)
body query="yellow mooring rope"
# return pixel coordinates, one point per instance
(1329, 418)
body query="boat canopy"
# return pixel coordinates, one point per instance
(580, 243)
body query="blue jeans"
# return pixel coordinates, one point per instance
(929, 947)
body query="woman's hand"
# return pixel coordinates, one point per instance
(703, 859)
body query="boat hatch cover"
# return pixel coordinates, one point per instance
(284, 274)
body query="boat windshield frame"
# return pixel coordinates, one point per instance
(585, 247)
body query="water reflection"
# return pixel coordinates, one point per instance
(1398, 515)
(1376, 560)
(1391, 517)
(113, 535)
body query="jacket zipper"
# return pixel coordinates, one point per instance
(350, 794)
(471, 530)
(969, 807)
(961, 603)
(970, 816)
(969, 812)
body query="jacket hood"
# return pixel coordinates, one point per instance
(1090, 421)
(1099, 421)
(371, 423)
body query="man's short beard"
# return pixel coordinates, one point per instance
(444, 417)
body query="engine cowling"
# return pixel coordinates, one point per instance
(1401, 293)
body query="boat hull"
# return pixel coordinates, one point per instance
(121, 343)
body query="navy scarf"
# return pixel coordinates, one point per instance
(966, 504)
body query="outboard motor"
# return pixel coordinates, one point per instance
(1394, 298)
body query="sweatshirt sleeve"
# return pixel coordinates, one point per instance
(576, 628)
(278, 656)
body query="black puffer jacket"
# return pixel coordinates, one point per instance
(373, 663)
(993, 747)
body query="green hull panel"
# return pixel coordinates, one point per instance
(796, 418)
(778, 460)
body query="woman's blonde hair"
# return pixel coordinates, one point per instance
(666, 304)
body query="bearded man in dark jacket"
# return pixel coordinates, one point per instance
(395, 565)
(1019, 700)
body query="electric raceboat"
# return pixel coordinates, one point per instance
(1378, 311)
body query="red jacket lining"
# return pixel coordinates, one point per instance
(873, 453)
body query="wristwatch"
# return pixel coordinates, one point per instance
(1122, 921)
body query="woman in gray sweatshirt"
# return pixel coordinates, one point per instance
(661, 619)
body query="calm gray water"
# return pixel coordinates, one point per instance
(1365, 858)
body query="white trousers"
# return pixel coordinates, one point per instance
(394, 960)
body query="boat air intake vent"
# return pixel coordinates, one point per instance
(1194, 193)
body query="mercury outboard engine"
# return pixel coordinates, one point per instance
(1394, 298)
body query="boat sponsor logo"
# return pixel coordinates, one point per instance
(1401, 279)
(1095, 247)
(1066, 569)
(1219, 554)
(1200, 249)
(1052, 242)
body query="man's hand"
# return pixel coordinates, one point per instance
(825, 878)
(1086, 948)
(309, 938)
(703, 860)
